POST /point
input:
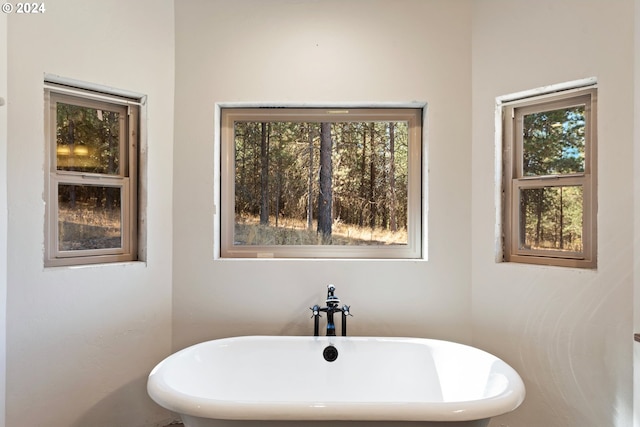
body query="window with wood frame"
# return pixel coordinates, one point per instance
(321, 182)
(550, 204)
(91, 179)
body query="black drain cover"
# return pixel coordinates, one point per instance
(330, 353)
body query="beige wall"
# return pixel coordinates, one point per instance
(568, 332)
(3, 213)
(81, 341)
(321, 52)
(636, 216)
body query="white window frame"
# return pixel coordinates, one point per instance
(130, 106)
(226, 114)
(512, 110)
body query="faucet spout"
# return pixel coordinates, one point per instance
(332, 299)
(332, 307)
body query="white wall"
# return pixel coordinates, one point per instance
(3, 214)
(81, 341)
(568, 332)
(636, 216)
(322, 52)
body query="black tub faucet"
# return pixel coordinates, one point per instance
(332, 307)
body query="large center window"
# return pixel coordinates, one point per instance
(321, 183)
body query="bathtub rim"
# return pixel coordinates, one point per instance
(227, 409)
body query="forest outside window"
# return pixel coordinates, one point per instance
(550, 179)
(92, 208)
(321, 183)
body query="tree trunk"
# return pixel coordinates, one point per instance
(539, 208)
(71, 142)
(372, 184)
(561, 221)
(279, 181)
(310, 181)
(393, 225)
(326, 171)
(112, 167)
(522, 219)
(363, 168)
(264, 176)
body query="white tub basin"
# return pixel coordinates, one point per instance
(372, 379)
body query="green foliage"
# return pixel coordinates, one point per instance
(553, 144)
(552, 218)
(87, 139)
(360, 180)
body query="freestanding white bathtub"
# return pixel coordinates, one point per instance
(280, 379)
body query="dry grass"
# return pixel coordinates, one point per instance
(85, 228)
(248, 231)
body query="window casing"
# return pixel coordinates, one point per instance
(550, 205)
(231, 117)
(92, 179)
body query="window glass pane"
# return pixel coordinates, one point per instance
(89, 217)
(554, 142)
(305, 183)
(87, 139)
(551, 218)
